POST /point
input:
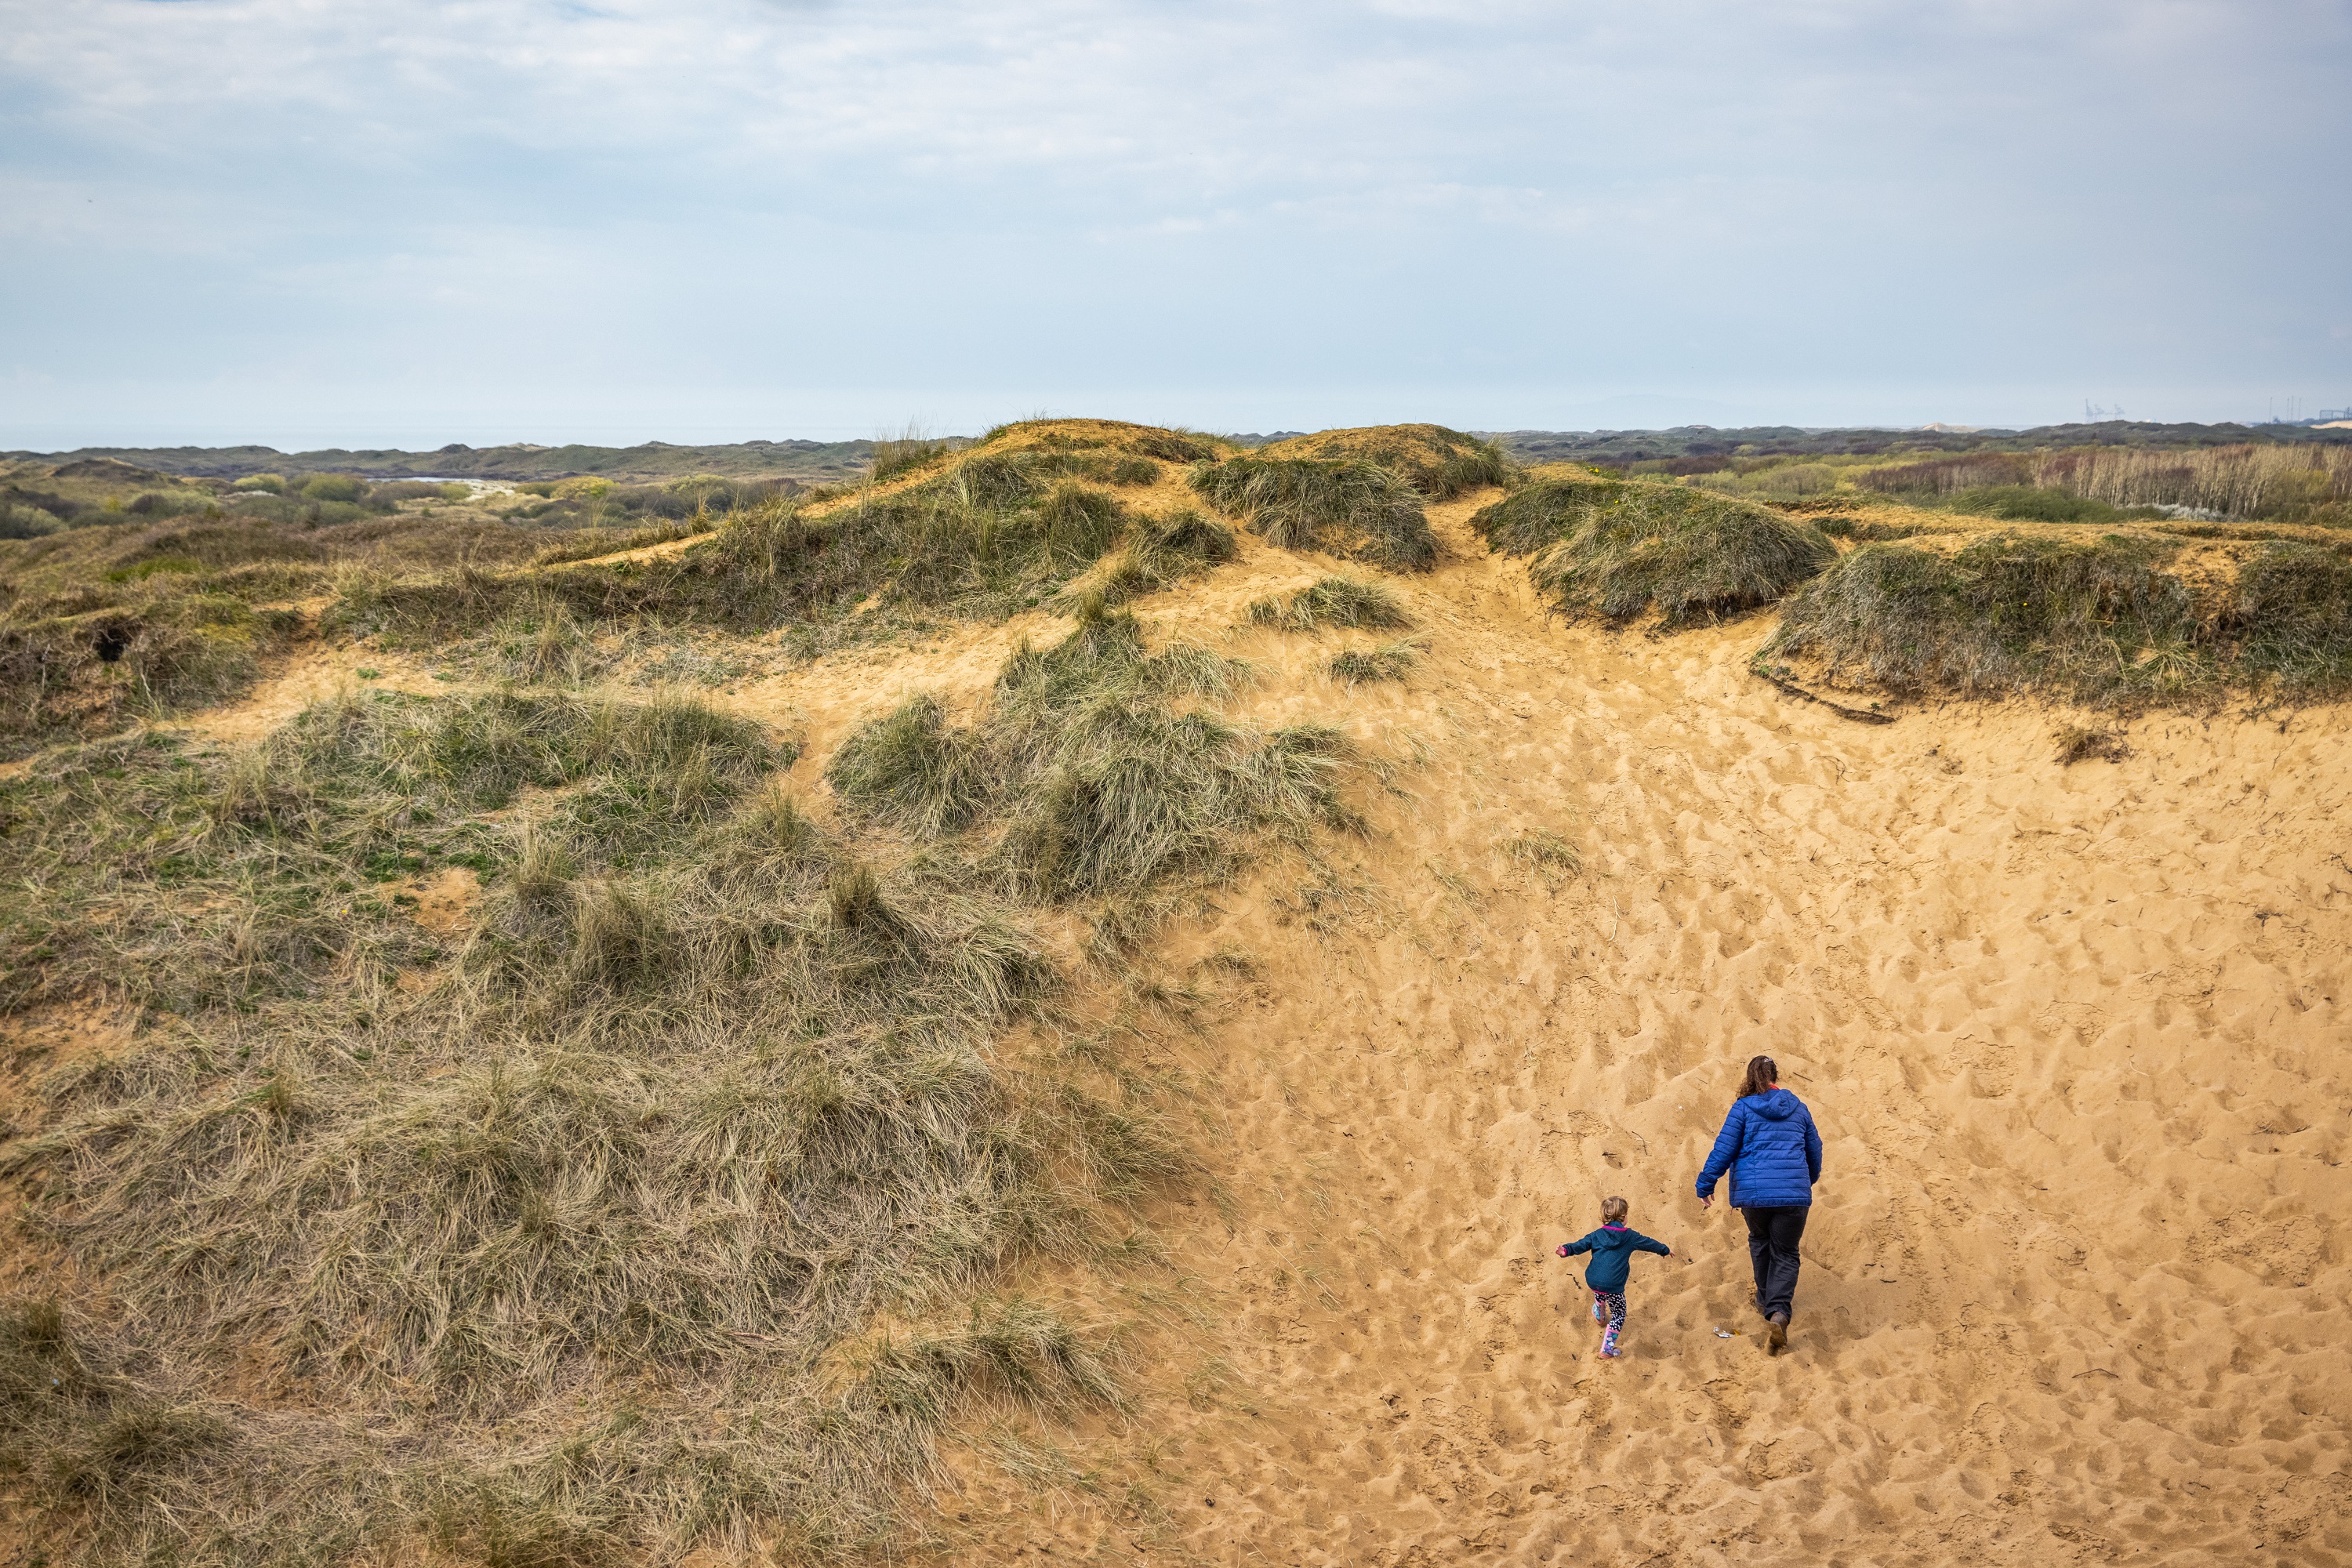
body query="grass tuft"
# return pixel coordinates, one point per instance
(1614, 548)
(1348, 507)
(1332, 602)
(1545, 850)
(1389, 661)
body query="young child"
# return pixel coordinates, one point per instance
(1613, 1248)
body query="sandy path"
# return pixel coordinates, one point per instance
(2075, 1285)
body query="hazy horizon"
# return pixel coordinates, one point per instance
(369, 225)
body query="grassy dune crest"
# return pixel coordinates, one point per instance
(1613, 549)
(1438, 462)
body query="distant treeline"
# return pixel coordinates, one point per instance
(815, 461)
(820, 462)
(1617, 447)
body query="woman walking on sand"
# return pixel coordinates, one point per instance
(1774, 1156)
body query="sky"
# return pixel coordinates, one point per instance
(411, 222)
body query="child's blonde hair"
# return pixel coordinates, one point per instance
(1613, 1211)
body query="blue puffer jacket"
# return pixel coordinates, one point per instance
(1768, 1145)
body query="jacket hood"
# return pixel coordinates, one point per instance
(1777, 1105)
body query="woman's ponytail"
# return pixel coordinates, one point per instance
(1763, 1074)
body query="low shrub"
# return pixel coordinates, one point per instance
(335, 487)
(2027, 503)
(1348, 507)
(1614, 548)
(272, 484)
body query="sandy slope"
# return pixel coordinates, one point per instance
(2074, 1286)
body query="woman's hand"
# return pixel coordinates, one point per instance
(1706, 1203)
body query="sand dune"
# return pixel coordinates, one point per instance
(2074, 1283)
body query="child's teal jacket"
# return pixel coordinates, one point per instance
(1613, 1248)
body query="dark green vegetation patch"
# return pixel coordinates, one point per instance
(1614, 548)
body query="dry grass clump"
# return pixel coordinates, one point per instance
(1084, 775)
(1332, 602)
(1348, 506)
(1160, 552)
(1389, 661)
(1613, 548)
(2292, 616)
(904, 453)
(1545, 851)
(2079, 744)
(590, 1221)
(2005, 612)
(1438, 462)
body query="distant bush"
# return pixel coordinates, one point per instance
(334, 487)
(399, 491)
(1346, 506)
(2025, 503)
(1613, 548)
(168, 503)
(27, 522)
(274, 484)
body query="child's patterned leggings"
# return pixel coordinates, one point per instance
(1609, 1310)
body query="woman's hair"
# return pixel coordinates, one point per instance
(1613, 1211)
(1762, 1074)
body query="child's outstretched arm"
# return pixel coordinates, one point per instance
(1581, 1243)
(1651, 1244)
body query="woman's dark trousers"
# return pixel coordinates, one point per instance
(1772, 1238)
